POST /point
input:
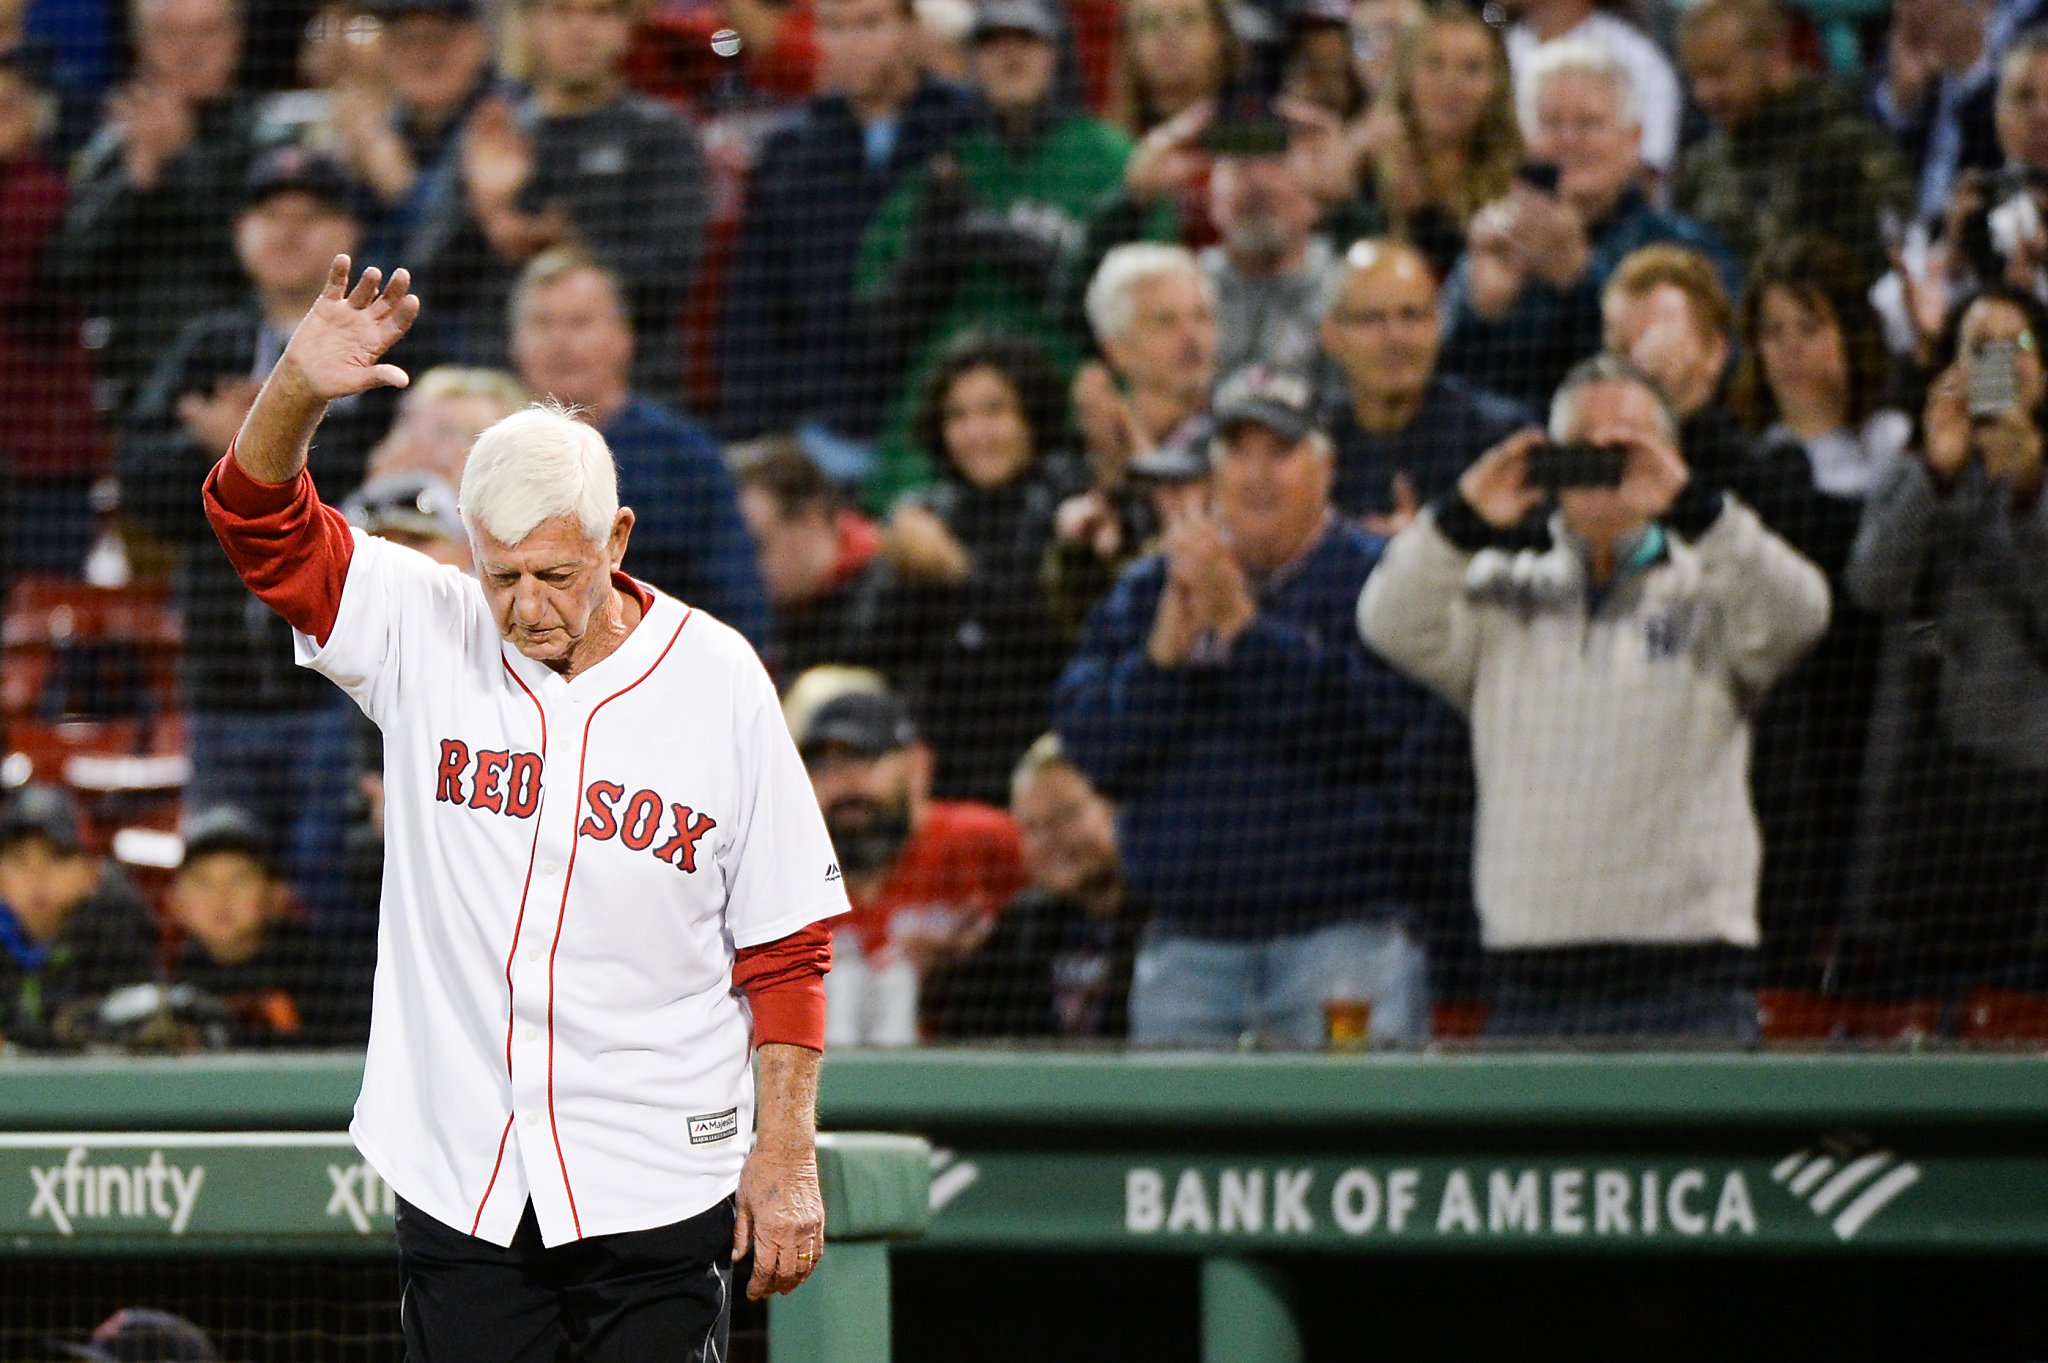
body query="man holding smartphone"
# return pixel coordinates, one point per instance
(1609, 679)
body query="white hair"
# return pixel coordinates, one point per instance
(1603, 370)
(1578, 57)
(533, 466)
(1112, 300)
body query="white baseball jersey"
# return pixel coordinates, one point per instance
(569, 868)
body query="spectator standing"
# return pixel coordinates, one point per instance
(962, 627)
(1221, 697)
(1812, 382)
(1524, 302)
(572, 340)
(820, 559)
(1665, 312)
(1992, 226)
(51, 443)
(1404, 433)
(1608, 679)
(70, 927)
(926, 876)
(1272, 272)
(281, 986)
(147, 240)
(1442, 143)
(583, 157)
(402, 139)
(792, 345)
(1658, 98)
(1153, 314)
(975, 239)
(1788, 153)
(1935, 93)
(263, 734)
(1058, 964)
(1954, 547)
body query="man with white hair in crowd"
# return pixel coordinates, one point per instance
(1609, 678)
(1524, 302)
(605, 882)
(1152, 310)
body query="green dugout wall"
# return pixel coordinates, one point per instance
(1235, 1164)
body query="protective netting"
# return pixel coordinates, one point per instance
(1074, 369)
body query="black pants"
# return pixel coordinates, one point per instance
(653, 1296)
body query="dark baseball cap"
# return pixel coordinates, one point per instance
(1182, 457)
(140, 1335)
(1280, 400)
(411, 503)
(1028, 17)
(224, 828)
(293, 169)
(870, 723)
(462, 11)
(41, 811)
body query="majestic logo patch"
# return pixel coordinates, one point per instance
(719, 1126)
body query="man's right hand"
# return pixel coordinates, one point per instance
(335, 350)
(1498, 487)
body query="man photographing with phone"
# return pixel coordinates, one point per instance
(1609, 679)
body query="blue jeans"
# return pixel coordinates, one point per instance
(1196, 991)
(294, 772)
(1717, 1013)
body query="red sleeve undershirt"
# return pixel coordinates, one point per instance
(784, 981)
(290, 548)
(293, 551)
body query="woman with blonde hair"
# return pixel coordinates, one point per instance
(1442, 141)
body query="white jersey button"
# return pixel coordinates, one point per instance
(533, 953)
(549, 868)
(533, 1034)
(532, 1117)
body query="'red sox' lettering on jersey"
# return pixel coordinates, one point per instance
(637, 821)
(501, 781)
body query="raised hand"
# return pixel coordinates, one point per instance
(1407, 506)
(1498, 487)
(213, 418)
(1653, 477)
(497, 158)
(1170, 157)
(336, 349)
(1945, 430)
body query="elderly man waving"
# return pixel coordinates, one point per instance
(603, 886)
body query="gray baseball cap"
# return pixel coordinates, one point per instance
(1280, 400)
(1182, 457)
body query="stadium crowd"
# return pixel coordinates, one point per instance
(1278, 522)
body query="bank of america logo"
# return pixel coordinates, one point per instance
(1848, 1182)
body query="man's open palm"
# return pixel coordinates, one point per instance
(337, 348)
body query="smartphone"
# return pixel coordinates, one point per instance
(1557, 467)
(1994, 380)
(1538, 175)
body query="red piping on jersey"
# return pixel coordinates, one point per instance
(562, 913)
(512, 951)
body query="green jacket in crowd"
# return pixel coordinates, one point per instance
(1807, 161)
(980, 248)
